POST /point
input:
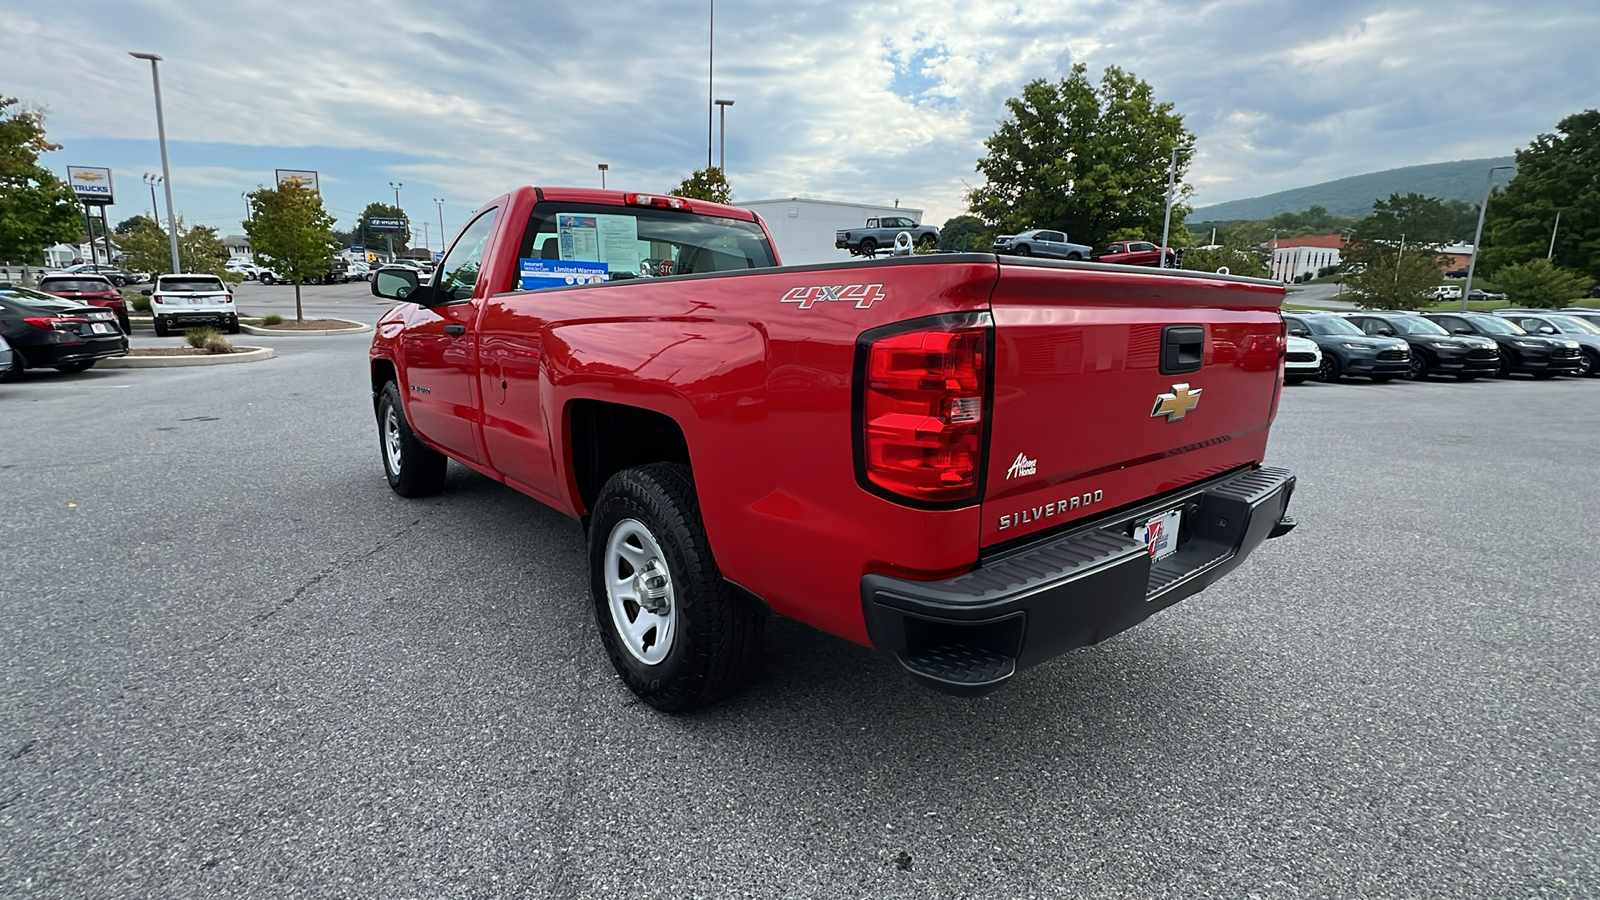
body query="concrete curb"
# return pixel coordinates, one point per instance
(241, 355)
(355, 328)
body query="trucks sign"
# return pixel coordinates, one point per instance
(92, 185)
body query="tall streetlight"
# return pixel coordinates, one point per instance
(166, 169)
(1477, 236)
(397, 185)
(1166, 224)
(152, 181)
(246, 196)
(603, 168)
(722, 154)
(711, 49)
(439, 202)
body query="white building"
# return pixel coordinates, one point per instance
(238, 248)
(803, 230)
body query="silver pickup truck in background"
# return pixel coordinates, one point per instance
(879, 233)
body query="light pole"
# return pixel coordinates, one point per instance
(439, 202)
(1477, 236)
(1552, 252)
(603, 168)
(1166, 224)
(166, 169)
(246, 196)
(711, 69)
(722, 154)
(397, 185)
(155, 211)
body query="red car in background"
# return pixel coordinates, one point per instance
(1136, 253)
(91, 290)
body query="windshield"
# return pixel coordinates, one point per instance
(568, 241)
(1574, 325)
(74, 284)
(191, 284)
(1329, 325)
(1415, 325)
(1496, 325)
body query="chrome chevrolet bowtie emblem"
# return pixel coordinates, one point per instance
(1177, 404)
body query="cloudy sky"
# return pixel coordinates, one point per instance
(856, 101)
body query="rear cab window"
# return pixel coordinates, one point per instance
(579, 243)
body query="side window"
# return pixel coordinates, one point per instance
(1054, 237)
(459, 271)
(1451, 323)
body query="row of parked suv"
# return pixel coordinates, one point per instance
(1384, 345)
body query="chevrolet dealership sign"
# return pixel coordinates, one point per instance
(92, 185)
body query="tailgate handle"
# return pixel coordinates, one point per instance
(1183, 348)
(462, 329)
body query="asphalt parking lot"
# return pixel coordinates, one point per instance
(238, 665)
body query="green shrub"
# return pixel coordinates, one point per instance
(208, 339)
(273, 319)
(139, 303)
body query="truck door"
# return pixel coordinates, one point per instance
(441, 352)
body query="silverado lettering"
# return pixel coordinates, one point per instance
(881, 508)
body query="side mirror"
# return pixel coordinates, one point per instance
(1546, 329)
(1299, 332)
(395, 283)
(1461, 329)
(1386, 332)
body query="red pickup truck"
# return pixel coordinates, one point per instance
(971, 463)
(1137, 253)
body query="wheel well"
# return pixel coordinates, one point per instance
(606, 438)
(382, 373)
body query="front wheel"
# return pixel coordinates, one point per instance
(1328, 372)
(1419, 368)
(1023, 250)
(677, 633)
(83, 366)
(413, 468)
(1588, 364)
(265, 278)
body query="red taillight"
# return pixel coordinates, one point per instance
(657, 201)
(49, 323)
(923, 397)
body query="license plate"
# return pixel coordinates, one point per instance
(100, 327)
(1160, 534)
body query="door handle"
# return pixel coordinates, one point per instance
(455, 329)
(1182, 349)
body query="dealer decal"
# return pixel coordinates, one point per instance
(862, 295)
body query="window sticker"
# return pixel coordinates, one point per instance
(544, 273)
(613, 240)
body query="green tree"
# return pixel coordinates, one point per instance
(1541, 284)
(966, 234)
(1555, 174)
(36, 208)
(372, 240)
(1417, 219)
(1087, 160)
(1389, 277)
(290, 230)
(1237, 259)
(199, 249)
(127, 225)
(705, 184)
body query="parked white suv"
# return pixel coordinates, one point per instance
(181, 301)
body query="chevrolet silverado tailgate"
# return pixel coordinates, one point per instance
(1113, 385)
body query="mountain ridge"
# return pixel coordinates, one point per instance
(1460, 179)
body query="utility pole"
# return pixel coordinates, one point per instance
(1552, 253)
(439, 201)
(722, 154)
(1477, 237)
(1166, 224)
(166, 169)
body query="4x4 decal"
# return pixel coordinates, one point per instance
(862, 295)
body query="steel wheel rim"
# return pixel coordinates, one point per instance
(391, 438)
(640, 593)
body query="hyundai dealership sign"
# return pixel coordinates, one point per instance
(92, 185)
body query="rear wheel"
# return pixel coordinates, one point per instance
(1328, 372)
(124, 324)
(677, 633)
(928, 242)
(869, 247)
(161, 327)
(69, 368)
(1076, 257)
(413, 468)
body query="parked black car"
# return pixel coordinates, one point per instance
(1346, 350)
(1541, 357)
(1584, 333)
(1433, 350)
(48, 332)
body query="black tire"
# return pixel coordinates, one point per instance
(1075, 257)
(868, 247)
(413, 468)
(124, 324)
(928, 242)
(1294, 379)
(1589, 364)
(233, 327)
(1329, 372)
(1023, 250)
(715, 635)
(264, 278)
(70, 368)
(1419, 368)
(161, 327)
(16, 367)
(1505, 368)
